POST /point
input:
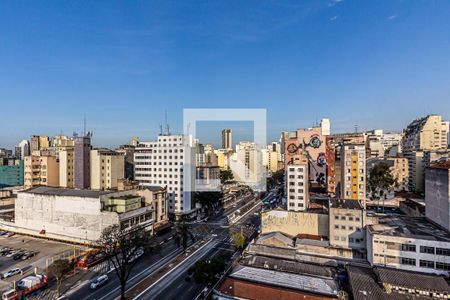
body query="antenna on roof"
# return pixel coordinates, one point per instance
(356, 128)
(84, 125)
(167, 125)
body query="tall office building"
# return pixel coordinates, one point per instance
(425, 134)
(227, 139)
(107, 168)
(82, 150)
(353, 172)
(164, 163)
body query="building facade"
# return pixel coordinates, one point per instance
(437, 193)
(41, 170)
(82, 150)
(107, 167)
(297, 184)
(12, 175)
(353, 172)
(227, 139)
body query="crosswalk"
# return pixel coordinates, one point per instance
(46, 294)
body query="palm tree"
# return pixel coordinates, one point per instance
(183, 234)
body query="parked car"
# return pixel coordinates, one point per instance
(10, 234)
(18, 254)
(11, 272)
(99, 281)
(12, 252)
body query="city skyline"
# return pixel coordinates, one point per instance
(301, 61)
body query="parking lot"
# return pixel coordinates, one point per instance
(43, 253)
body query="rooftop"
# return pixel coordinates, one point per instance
(307, 283)
(410, 227)
(56, 191)
(441, 165)
(345, 203)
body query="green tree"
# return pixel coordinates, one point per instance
(209, 200)
(183, 234)
(238, 239)
(122, 248)
(59, 269)
(380, 181)
(205, 271)
(225, 175)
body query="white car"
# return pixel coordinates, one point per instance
(11, 272)
(99, 281)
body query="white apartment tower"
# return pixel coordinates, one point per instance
(297, 184)
(165, 163)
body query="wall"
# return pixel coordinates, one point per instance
(68, 218)
(437, 196)
(294, 223)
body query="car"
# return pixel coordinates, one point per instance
(28, 255)
(10, 234)
(99, 281)
(18, 255)
(11, 272)
(12, 253)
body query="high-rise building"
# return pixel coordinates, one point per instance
(165, 163)
(297, 191)
(107, 168)
(353, 172)
(128, 153)
(227, 140)
(425, 134)
(66, 167)
(271, 156)
(246, 165)
(41, 170)
(11, 175)
(23, 149)
(82, 149)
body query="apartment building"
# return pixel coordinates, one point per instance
(23, 149)
(424, 134)
(41, 170)
(398, 167)
(437, 193)
(246, 165)
(66, 167)
(82, 150)
(169, 162)
(39, 143)
(271, 156)
(297, 184)
(347, 220)
(409, 243)
(107, 167)
(353, 172)
(11, 174)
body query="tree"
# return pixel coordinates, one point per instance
(225, 175)
(276, 178)
(380, 181)
(209, 200)
(182, 235)
(59, 269)
(205, 271)
(238, 239)
(122, 248)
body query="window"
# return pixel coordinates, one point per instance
(442, 266)
(426, 249)
(427, 264)
(408, 261)
(409, 247)
(443, 251)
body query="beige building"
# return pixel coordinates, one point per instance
(39, 142)
(66, 167)
(425, 134)
(107, 167)
(347, 225)
(353, 172)
(41, 170)
(400, 171)
(156, 197)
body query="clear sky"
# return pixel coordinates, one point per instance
(378, 64)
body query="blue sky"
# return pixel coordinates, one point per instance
(378, 64)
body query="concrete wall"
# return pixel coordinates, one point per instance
(294, 223)
(437, 196)
(66, 218)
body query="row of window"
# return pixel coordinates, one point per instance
(426, 264)
(426, 249)
(349, 218)
(343, 227)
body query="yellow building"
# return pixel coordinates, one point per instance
(107, 167)
(400, 171)
(41, 170)
(353, 172)
(66, 167)
(39, 142)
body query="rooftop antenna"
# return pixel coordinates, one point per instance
(160, 129)
(167, 125)
(356, 128)
(84, 125)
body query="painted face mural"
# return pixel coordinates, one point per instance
(292, 148)
(315, 141)
(321, 160)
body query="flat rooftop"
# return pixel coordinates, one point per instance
(306, 283)
(56, 191)
(345, 203)
(410, 227)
